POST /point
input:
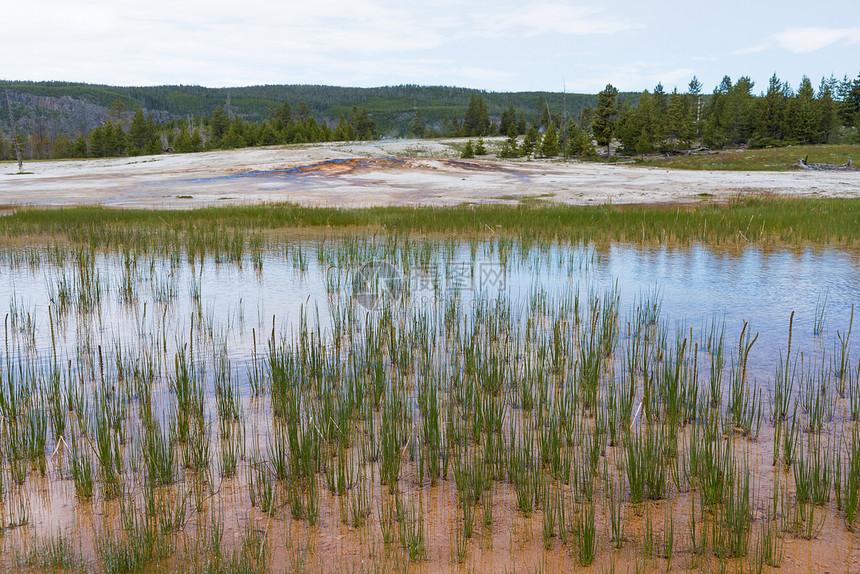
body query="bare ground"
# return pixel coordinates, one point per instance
(401, 172)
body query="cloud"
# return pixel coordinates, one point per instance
(753, 49)
(804, 40)
(541, 18)
(635, 76)
(217, 42)
(491, 44)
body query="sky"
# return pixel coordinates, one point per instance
(498, 45)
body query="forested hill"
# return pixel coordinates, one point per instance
(72, 108)
(62, 120)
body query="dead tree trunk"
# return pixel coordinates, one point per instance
(14, 134)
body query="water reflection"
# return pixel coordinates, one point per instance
(241, 300)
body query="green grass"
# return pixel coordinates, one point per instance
(743, 220)
(772, 159)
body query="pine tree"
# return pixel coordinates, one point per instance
(267, 135)
(771, 114)
(716, 130)
(344, 130)
(96, 145)
(119, 142)
(660, 110)
(311, 130)
(743, 110)
(605, 116)
(731, 114)
(849, 101)
(477, 120)
(637, 127)
(196, 141)
(116, 111)
(107, 140)
(137, 134)
(508, 120)
(182, 143)
(6, 148)
(545, 115)
(828, 111)
(282, 116)
(218, 126)
(365, 127)
(578, 142)
(325, 133)
(62, 148)
(627, 128)
(521, 124)
(468, 150)
(549, 145)
(530, 142)
(80, 149)
(419, 126)
(694, 97)
(153, 142)
(303, 112)
(806, 115)
(680, 118)
(233, 139)
(446, 128)
(511, 147)
(299, 137)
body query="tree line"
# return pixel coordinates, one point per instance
(656, 120)
(660, 121)
(131, 134)
(732, 115)
(393, 108)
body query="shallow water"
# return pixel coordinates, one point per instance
(693, 287)
(91, 312)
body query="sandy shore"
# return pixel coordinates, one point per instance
(408, 172)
